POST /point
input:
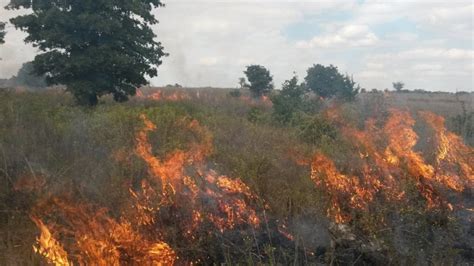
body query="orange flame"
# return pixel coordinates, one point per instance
(161, 95)
(99, 239)
(451, 155)
(387, 156)
(262, 100)
(230, 195)
(49, 247)
(136, 237)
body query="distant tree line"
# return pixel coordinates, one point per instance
(324, 81)
(298, 98)
(26, 77)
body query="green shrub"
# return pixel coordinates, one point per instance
(316, 129)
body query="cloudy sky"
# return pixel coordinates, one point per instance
(426, 44)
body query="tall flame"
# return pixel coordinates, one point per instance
(179, 192)
(49, 247)
(98, 238)
(387, 156)
(228, 196)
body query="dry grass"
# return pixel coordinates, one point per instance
(445, 104)
(46, 134)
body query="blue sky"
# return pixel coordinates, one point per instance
(309, 26)
(426, 44)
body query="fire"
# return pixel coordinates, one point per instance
(451, 155)
(341, 188)
(266, 100)
(180, 200)
(227, 198)
(283, 229)
(235, 210)
(170, 170)
(179, 192)
(49, 247)
(234, 186)
(387, 156)
(97, 238)
(161, 95)
(262, 100)
(139, 93)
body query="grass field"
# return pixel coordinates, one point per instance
(313, 192)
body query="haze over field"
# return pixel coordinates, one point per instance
(427, 44)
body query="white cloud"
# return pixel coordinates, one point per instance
(209, 61)
(350, 35)
(429, 54)
(375, 65)
(427, 67)
(372, 74)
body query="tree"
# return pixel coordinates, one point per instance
(242, 83)
(327, 82)
(27, 77)
(94, 47)
(398, 86)
(261, 82)
(2, 32)
(348, 90)
(288, 101)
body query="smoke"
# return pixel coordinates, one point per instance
(313, 232)
(14, 52)
(175, 65)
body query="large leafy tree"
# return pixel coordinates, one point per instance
(327, 82)
(2, 32)
(261, 81)
(94, 47)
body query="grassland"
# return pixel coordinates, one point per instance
(49, 145)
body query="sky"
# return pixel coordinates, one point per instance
(425, 44)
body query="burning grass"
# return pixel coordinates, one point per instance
(190, 180)
(388, 159)
(179, 192)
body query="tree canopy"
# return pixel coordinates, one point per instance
(242, 83)
(94, 47)
(327, 82)
(27, 77)
(261, 81)
(398, 86)
(288, 101)
(2, 32)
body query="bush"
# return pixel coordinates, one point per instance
(235, 93)
(288, 101)
(315, 130)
